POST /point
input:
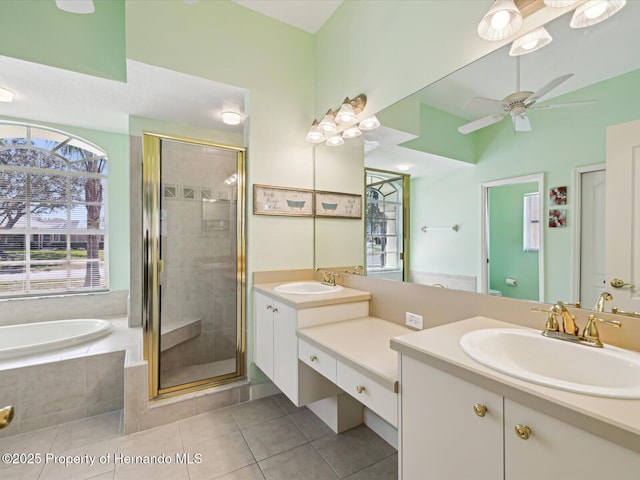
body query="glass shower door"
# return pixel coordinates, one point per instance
(199, 289)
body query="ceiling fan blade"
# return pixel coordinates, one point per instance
(480, 123)
(479, 104)
(547, 88)
(521, 123)
(570, 104)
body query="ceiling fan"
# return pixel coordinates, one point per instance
(515, 105)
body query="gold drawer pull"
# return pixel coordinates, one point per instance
(269, 307)
(313, 358)
(523, 432)
(360, 388)
(480, 409)
(275, 310)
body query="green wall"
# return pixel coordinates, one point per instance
(38, 31)
(506, 255)
(562, 139)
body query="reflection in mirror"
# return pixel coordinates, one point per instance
(448, 168)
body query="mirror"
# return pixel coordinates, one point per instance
(448, 168)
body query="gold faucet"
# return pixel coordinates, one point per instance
(617, 311)
(6, 416)
(328, 277)
(604, 297)
(591, 335)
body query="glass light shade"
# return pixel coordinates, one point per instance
(530, 42)
(231, 118)
(501, 21)
(328, 125)
(351, 132)
(76, 6)
(560, 3)
(595, 11)
(335, 141)
(369, 123)
(345, 115)
(315, 135)
(6, 95)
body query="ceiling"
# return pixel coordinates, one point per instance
(593, 54)
(307, 15)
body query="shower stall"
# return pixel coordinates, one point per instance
(194, 283)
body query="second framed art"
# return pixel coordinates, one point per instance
(333, 204)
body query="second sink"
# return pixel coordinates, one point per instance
(527, 355)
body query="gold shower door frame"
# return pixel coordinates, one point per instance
(153, 266)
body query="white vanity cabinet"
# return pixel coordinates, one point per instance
(453, 429)
(276, 344)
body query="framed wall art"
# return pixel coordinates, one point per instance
(334, 204)
(269, 200)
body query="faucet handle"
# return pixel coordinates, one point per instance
(590, 332)
(552, 321)
(569, 304)
(617, 311)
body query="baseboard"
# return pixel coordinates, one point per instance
(383, 429)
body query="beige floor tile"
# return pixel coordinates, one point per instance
(386, 469)
(353, 450)
(156, 441)
(38, 441)
(219, 455)
(79, 466)
(88, 431)
(250, 472)
(21, 472)
(206, 426)
(172, 471)
(309, 423)
(303, 463)
(287, 405)
(256, 411)
(272, 437)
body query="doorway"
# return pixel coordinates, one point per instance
(194, 280)
(513, 241)
(386, 232)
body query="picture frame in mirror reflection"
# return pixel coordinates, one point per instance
(338, 205)
(270, 200)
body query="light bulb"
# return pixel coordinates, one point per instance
(369, 123)
(595, 10)
(6, 95)
(231, 118)
(500, 20)
(335, 141)
(351, 132)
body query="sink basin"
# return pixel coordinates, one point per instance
(306, 288)
(527, 355)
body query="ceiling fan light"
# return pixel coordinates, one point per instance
(231, 118)
(352, 132)
(76, 6)
(501, 21)
(530, 42)
(335, 141)
(6, 95)
(346, 114)
(560, 3)
(369, 123)
(315, 135)
(595, 11)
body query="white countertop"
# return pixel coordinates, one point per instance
(614, 419)
(300, 301)
(362, 343)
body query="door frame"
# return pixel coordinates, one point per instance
(484, 230)
(576, 278)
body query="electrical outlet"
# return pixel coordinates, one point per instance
(413, 320)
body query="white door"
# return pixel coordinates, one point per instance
(592, 236)
(623, 214)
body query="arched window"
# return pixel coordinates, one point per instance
(53, 212)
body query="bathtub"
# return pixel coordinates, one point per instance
(32, 338)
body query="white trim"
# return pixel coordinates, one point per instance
(577, 222)
(484, 238)
(382, 428)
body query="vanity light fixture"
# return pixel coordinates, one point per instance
(595, 11)
(335, 141)
(530, 42)
(369, 123)
(6, 95)
(337, 125)
(231, 118)
(82, 7)
(501, 21)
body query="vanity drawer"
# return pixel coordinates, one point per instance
(381, 400)
(321, 362)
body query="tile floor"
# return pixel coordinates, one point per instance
(266, 439)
